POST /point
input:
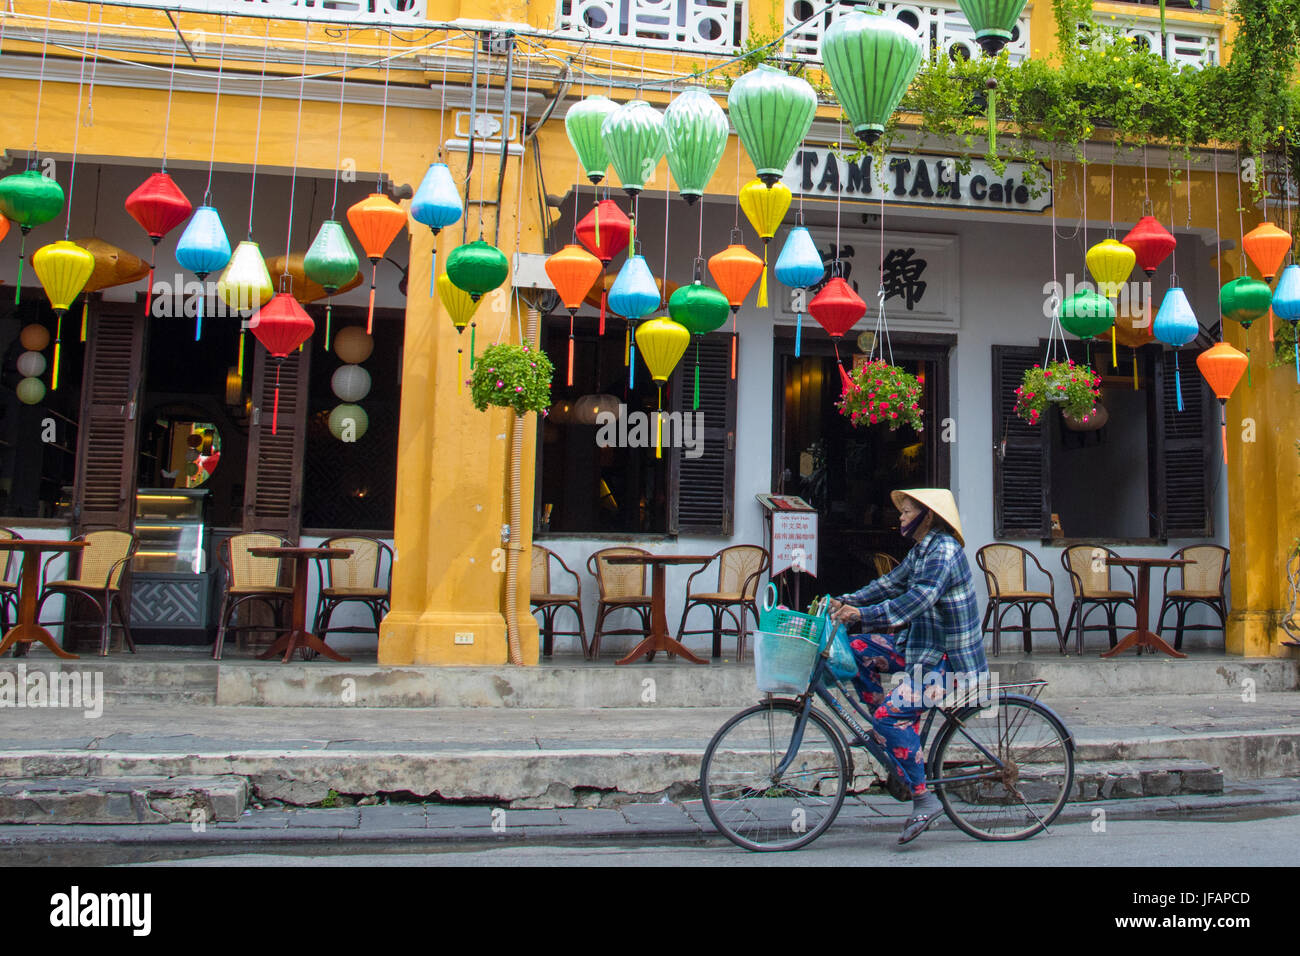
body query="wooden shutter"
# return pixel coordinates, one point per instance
(104, 489)
(705, 499)
(273, 479)
(1183, 449)
(1021, 470)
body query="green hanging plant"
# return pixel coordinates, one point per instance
(512, 376)
(1073, 386)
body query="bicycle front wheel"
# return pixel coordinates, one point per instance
(1023, 790)
(757, 805)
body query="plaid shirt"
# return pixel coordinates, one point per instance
(932, 591)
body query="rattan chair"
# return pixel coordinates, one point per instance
(739, 570)
(358, 579)
(542, 599)
(884, 563)
(1203, 582)
(10, 569)
(1090, 580)
(621, 587)
(1005, 568)
(249, 578)
(100, 569)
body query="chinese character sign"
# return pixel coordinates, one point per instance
(794, 542)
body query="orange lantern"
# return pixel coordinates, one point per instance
(735, 269)
(1222, 365)
(376, 220)
(4, 228)
(1267, 246)
(573, 270)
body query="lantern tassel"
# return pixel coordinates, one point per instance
(762, 284)
(433, 269)
(1178, 381)
(58, 345)
(798, 333)
(18, 286)
(1223, 426)
(627, 344)
(198, 321)
(329, 305)
(695, 406)
(1297, 358)
(1135, 370)
(604, 293)
(275, 407)
(734, 335)
(1114, 355)
(1270, 323)
(596, 217)
(242, 336)
(993, 121)
(631, 361)
(570, 350)
(659, 425)
(85, 317)
(1249, 383)
(148, 289)
(473, 331)
(370, 315)
(460, 371)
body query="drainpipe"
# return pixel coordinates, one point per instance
(515, 534)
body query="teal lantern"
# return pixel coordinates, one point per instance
(993, 21)
(799, 266)
(634, 294)
(772, 112)
(700, 310)
(1087, 314)
(583, 123)
(203, 249)
(1244, 300)
(1175, 324)
(332, 263)
(29, 199)
(436, 204)
(476, 268)
(1286, 305)
(696, 130)
(634, 138)
(871, 59)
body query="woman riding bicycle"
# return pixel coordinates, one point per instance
(931, 597)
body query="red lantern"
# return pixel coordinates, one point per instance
(1222, 365)
(281, 326)
(605, 231)
(1151, 243)
(159, 206)
(837, 309)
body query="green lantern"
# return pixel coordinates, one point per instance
(583, 123)
(477, 267)
(29, 199)
(992, 20)
(696, 128)
(1087, 314)
(332, 263)
(1244, 300)
(772, 112)
(700, 310)
(871, 59)
(634, 137)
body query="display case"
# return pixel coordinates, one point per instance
(171, 579)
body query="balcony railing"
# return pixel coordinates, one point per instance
(372, 11)
(700, 25)
(1184, 44)
(940, 26)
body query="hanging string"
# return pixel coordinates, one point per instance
(76, 132)
(442, 101)
(383, 116)
(519, 193)
(482, 186)
(1114, 150)
(216, 107)
(257, 141)
(171, 82)
(40, 89)
(338, 148)
(293, 177)
(94, 67)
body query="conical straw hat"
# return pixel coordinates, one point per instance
(938, 500)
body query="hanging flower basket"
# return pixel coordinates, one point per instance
(882, 394)
(1073, 387)
(512, 376)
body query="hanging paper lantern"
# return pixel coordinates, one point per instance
(583, 123)
(353, 346)
(1222, 366)
(696, 130)
(1151, 244)
(1267, 246)
(634, 137)
(735, 269)
(772, 112)
(1286, 305)
(1111, 263)
(461, 306)
(245, 284)
(113, 266)
(29, 199)
(30, 391)
(63, 268)
(799, 266)
(281, 326)
(436, 204)
(662, 343)
(605, 231)
(699, 310)
(477, 268)
(159, 206)
(573, 270)
(1244, 300)
(331, 263)
(31, 365)
(376, 220)
(351, 383)
(303, 288)
(203, 249)
(634, 295)
(871, 60)
(348, 422)
(837, 308)
(34, 337)
(764, 207)
(992, 20)
(4, 228)
(1087, 314)
(1176, 325)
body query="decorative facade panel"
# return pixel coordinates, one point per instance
(714, 25)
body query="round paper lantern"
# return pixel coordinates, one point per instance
(1244, 300)
(245, 284)
(698, 308)
(837, 308)
(203, 249)
(583, 123)
(1087, 314)
(29, 199)
(376, 220)
(764, 207)
(634, 137)
(63, 268)
(348, 422)
(1267, 246)
(1151, 244)
(696, 130)
(1222, 366)
(799, 266)
(31, 365)
(331, 263)
(303, 288)
(662, 343)
(436, 204)
(1111, 263)
(281, 326)
(477, 267)
(34, 337)
(605, 231)
(573, 270)
(1286, 297)
(159, 206)
(735, 269)
(353, 345)
(30, 390)
(634, 293)
(870, 59)
(772, 112)
(351, 383)
(993, 21)
(1176, 325)
(458, 303)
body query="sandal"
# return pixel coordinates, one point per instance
(917, 825)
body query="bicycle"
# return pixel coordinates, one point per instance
(774, 776)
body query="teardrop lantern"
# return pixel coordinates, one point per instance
(993, 21)
(1286, 305)
(305, 289)
(159, 206)
(700, 310)
(871, 59)
(1222, 366)
(1087, 314)
(461, 307)
(114, 266)
(245, 285)
(573, 270)
(1176, 325)
(634, 137)
(772, 112)
(1245, 299)
(1111, 263)
(662, 342)
(634, 294)
(583, 124)
(203, 248)
(1151, 244)
(696, 129)
(29, 199)
(376, 220)
(436, 204)
(605, 231)
(764, 207)
(799, 266)
(332, 263)
(63, 268)
(477, 268)
(735, 269)
(1267, 246)
(281, 326)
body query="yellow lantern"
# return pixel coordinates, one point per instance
(63, 268)
(461, 307)
(662, 343)
(764, 207)
(245, 285)
(1111, 263)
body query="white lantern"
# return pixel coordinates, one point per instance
(31, 365)
(30, 391)
(348, 422)
(351, 383)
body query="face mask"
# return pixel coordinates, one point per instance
(909, 529)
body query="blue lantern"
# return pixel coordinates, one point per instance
(203, 249)
(634, 294)
(1286, 305)
(436, 204)
(799, 266)
(1176, 325)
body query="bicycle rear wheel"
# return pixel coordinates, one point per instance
(1021, 797)
(749, 802)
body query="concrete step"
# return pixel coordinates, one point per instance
(123, 799)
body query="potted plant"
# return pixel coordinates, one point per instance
(881, 394)
(512, 376)
(1074, 387)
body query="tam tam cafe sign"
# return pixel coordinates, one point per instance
(918, 179)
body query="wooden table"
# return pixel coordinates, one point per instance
(298, 636)
(659, 639)
(1142, 637)
(27, 630)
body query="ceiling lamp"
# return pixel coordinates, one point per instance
(993, 21)
(436, 204)
(573, 270)
(1175, 325)
(662, 343)
(331, 263)
(700, 310)
(1267, 246)
(281, 326)
(63, 268)
(605, 231)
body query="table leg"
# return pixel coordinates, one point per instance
(1142, 637)
(27, 630)
(298, 635)
(659, 639)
